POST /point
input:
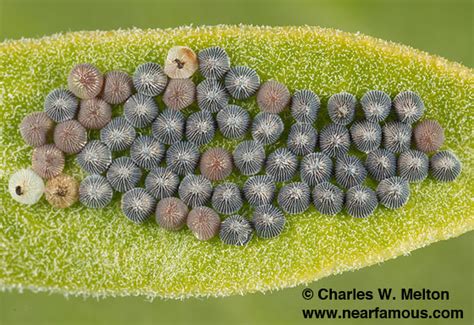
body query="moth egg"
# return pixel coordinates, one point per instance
(302, 139)
(216, 164)
(273, 97)
(341, 108)
(361, 201)
(179, 94)
(334, 140)
(393, 192)
(171, 213)
(149, 79)
(316, 168)
(85, 81)
(294, 198)
(381, 164)
(70, 136)
(118, 86)
(61, 105)
(242, 82)
(305, 105)
(413, 165)
(147, 152)
(213, 62)
(268, 221)
(376, 105)
(428, 136)
(123, 174)
(409, 106)
(35, 128)
(195, 190)
(168, 127)
(161, 182)
(181, 62)
(328, 199)
(95, 192)
(137, 205)
(235, 230)
(233, 121)
(282, 165)
(259, 190)
(249, 157)
(95, 158)
(267, 128)
(200, 128)
(25, 186)
(140, 110)
(211, 95)
(203, 222)
(182, 157)
(94, 113)
(226, 198)
(62, 191)
(366, 136)
(118, 134)
(396, 136)
(47, 161)
(349, 171)
(445, 166)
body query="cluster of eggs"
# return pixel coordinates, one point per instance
(171, 161)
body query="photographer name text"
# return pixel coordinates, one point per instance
(382, 294)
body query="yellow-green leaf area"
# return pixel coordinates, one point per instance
(99, 252)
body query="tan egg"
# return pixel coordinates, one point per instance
(181, 62)
(62, 191)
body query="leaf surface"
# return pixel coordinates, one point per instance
(101, 253)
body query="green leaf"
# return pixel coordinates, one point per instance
(99, 252)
